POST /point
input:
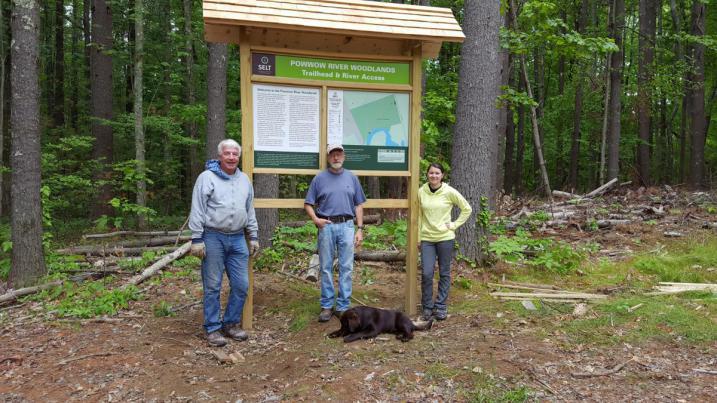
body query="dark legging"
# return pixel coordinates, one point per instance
(429, 251)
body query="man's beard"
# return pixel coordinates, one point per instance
(337, 165)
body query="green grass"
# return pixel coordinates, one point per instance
(687, 317)
(663, 318)
(303, 309)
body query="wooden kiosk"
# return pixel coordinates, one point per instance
(338, 71)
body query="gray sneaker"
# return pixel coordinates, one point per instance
(325, 315)
(236, 333)
(441, 315)
(427, 315)
(215, 339)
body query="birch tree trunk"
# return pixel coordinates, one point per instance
(28, 259)
(475, 138)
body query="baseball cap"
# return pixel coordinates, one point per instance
(333, 147)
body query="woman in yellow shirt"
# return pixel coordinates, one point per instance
(437, 234)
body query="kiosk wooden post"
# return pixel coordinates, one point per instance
(368, 57)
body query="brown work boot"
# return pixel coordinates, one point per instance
(215, 339)
(325, 315)
(235, 332)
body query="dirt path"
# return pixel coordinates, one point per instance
(138, 356)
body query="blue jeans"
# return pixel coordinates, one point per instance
(224, 252)
(332, 238)
(444, 251)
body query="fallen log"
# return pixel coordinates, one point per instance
(565, 295)
(538, 286)
(138, 251)
(134, 233)
(380, 256)
(601, 190)
(367, 219)
(372, 255)
(94, 249)
(522, 287)
(566, 195)
(611, 223)
(159, 265)
(555, 300)
(667, 288)
(14, 294)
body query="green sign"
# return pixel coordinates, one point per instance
(278, 159)
(376, 158)
(308, 68)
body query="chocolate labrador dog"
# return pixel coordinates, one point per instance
(365, 322)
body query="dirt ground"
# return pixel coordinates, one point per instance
(483, 352)
(137, 356)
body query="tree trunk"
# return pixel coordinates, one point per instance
(59, 112)
(216, 97)
(575, 139)
(644, 82)
(520, 146)
(138, 105)
(101, 88)
(697, 111)
(75, 66)
(577, 113)
(374, 187)
(28, 259)
(534, 119)
(509, 159)
(505, 73)
(616, 64)
(266, 186)
(3, 58)
(475, 139)
(167, 57)
(191, 127)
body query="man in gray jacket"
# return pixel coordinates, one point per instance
(222, 212)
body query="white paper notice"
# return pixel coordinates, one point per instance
(336, 117)
(286, 118)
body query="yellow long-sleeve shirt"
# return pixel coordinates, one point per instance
(434, 220)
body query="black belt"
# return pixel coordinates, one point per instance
(337, 218)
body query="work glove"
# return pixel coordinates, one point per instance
(253, 247)
(197, 249)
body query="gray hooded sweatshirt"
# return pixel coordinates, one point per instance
(222, 202)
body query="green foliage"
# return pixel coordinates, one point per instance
(368, 276)
(463, 283)
(559, 257)
(546, 254)
(138, 264)
(163, 309)
(376, 237)
(86, 300)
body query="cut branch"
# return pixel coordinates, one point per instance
(159, 265)
(14, 294)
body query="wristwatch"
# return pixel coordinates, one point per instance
(359, 226)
